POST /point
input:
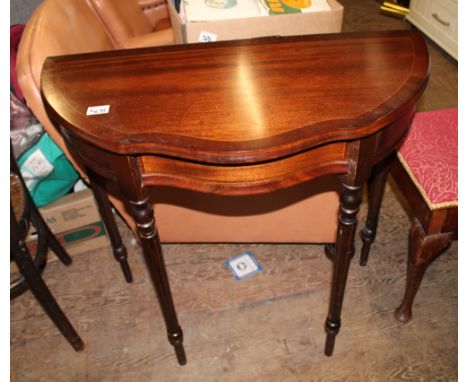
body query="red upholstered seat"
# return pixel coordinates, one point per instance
(430, 156)
(427, 176)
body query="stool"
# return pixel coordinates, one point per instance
(24, 212)
(426, 171)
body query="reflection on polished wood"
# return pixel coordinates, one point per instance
(240, 117)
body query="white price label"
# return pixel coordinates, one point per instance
(96, 110)
(207, 37)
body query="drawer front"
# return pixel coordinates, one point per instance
(421, 7)
(444, 17)
(246, 179)
(438, 19)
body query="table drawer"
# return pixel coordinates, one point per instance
(443, 15)
(247, 179)
(438, 19)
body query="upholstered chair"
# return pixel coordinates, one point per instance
(129, 27)
(426, 171)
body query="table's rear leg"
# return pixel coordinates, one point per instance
(119, 250)
(350, 199)
(375, 190)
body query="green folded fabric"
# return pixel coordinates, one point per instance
(47, 172)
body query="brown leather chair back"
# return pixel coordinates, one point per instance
(57, 27)
(123, 18)
(128, 26)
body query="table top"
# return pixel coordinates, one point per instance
(240, 101)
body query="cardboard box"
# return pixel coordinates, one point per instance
(75, 221)
(276, 25)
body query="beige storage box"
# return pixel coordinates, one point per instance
(329, 21)
(75, 221)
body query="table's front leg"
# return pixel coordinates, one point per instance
(350, 200)
(143, 214)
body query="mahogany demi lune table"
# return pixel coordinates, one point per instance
(238, 117)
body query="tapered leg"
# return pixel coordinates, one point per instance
(350, 199)
(375, 189)
(143, 214)
(423, 249)
(39, 289)
(120, 251)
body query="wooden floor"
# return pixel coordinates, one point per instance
(269, 327)
(266, 328)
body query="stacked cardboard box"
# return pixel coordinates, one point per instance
(287, 24)
(75, 221)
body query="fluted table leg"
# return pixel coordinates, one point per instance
(143, 214)
(350, 199)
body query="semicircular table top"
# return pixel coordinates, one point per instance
(237, 101)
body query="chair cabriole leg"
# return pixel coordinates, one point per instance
(423, 248)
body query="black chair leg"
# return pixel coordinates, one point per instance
(36, 284)
(44, 231)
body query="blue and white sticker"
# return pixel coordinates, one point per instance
(243, 266)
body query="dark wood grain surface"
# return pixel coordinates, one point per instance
(239, 101)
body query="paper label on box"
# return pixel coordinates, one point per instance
(281, 7)
(207, 37)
